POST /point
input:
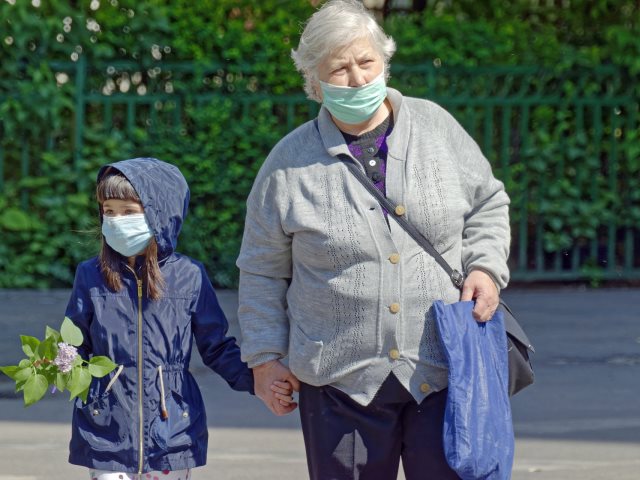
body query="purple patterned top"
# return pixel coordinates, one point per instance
(371, 150)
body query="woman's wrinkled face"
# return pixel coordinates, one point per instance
(353, 66)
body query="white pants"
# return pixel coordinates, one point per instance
(164, 475)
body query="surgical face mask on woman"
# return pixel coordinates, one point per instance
(127, 234)
(354, 105)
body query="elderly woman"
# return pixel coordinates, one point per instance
(331, 281)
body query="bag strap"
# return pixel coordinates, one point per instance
(398, 215)
(512, 327)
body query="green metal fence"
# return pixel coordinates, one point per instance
(510, 111)
(597, 109)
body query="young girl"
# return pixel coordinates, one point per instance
(141, 303)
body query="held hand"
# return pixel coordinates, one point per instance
(479, 286)
(266, 375)
(283, 391)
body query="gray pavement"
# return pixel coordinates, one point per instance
(581, 420)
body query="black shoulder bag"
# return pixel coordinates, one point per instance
(520, 370)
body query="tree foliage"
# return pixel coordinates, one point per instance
(240, 51)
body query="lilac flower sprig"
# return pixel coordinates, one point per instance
(66, 355)
(56, 363)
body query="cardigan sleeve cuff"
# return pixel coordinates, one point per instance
(263, 358)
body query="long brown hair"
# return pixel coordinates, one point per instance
(114, 185)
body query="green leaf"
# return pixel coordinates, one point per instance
(15, 219)
(24, 363)
(23, 374)
(10, 371)
(79, 381)
(48, 348)
(49, 374)
(52, 333)
(83, 395)
(61, 381)
(70, 333)
(99, 366)
(29, 345)
(34, 389)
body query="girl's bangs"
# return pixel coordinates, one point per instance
(115, 186)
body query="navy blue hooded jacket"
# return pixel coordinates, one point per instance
(121, 427)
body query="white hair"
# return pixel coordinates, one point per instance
(335, 25)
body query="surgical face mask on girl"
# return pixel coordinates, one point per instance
(354, 105)
(127, 234)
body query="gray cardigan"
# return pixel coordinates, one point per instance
(327, 282)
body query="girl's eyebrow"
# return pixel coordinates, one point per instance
(125, 205)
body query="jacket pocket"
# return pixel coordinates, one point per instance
(102, 422)
(182, 428)
(99, 411)
(305, 354)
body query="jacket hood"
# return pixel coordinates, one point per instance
(164, 194)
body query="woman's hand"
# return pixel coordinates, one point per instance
(480, 287)
(264, 376)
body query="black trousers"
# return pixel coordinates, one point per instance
(346, 441)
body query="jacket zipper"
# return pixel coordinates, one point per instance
(140, 409)
(140, 389)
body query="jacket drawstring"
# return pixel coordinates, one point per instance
(163, 405)
(114, 378)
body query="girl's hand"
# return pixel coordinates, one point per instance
(283, 392)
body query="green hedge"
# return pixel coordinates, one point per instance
(47, 212)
